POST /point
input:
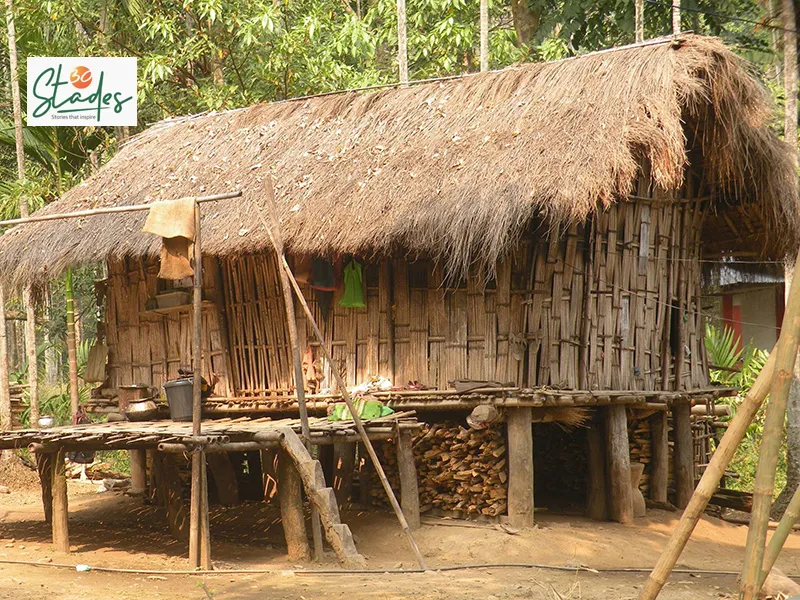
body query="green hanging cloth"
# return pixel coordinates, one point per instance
(353, 296)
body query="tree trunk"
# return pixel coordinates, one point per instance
(526, 21)
(484, 17)
(639, 20)
(72, 355)
(5, 397)
(27, 296)
(402, 42)
(676, 17)
(790, 135)
(50, 353)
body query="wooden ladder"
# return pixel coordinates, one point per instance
(337, 533)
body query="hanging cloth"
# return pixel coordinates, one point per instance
(323, 282)
(353, 296)
(173, 220)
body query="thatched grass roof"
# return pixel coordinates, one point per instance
(455, 169)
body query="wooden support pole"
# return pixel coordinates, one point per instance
(5, 395)
(409, 488)
(620, 497)
(659, 465)
(683, 453)
(44, 465)
(60, 524)
(170, 493)
(710, 479)
(639, 20)
(205, 526)
(402, 42)
(790, 517)
(138, 460)
(597, 492)
(195, 507)
(520, 467)
(290, 494)
(344, 457)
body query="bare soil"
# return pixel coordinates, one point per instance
(111, 530)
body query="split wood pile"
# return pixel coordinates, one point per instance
(459, 470)
(641, 443)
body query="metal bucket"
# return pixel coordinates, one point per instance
(179, 399)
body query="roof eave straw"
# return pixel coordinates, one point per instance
(286, 274)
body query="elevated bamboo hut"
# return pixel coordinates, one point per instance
(539, 226)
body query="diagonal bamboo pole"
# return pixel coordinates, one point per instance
(284, 266)
(771, 439)
(716, 467)
(709, 482)
(790, 517)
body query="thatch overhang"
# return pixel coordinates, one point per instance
(454, 169)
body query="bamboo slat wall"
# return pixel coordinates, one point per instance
(149, 347)
(609, 305)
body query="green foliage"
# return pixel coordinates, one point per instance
(741, 366)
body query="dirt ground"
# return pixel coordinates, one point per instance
(112, 530)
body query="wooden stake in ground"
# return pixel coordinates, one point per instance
(770, 447)
(717, 465)
(27, 295)
(283, 265)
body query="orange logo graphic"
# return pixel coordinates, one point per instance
(81, 77)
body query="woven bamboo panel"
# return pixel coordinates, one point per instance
(149, 348)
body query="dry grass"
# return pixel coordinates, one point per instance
(456, 169)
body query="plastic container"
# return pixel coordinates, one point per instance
(179, 399)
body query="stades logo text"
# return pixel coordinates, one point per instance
(81, 91)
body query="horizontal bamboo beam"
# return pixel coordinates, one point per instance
(177, 448)
(106, 210)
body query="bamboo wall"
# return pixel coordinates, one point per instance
(609, 305)
(149, 347)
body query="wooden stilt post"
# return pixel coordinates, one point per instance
(409, 488)
(60, 524)
(198, 462)
(620, 498)
(520, 467)
(597, 493)
(344, 456)
(292, 517)
(205, 527)
(170, 493)
(659, 465)
(138, 460)
(683, 453)
(44, 464)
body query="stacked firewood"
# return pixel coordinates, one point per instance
(640, 439)
(459, 470)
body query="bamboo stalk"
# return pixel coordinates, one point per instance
(709, 481)
(778, 539)
(772, 437)
(72, 355)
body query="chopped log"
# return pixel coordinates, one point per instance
(596, 497)
(520, 467)
(44, 464)
(292, 517)
(683, 454)
(60, 524)
(138, 460)
(224, 478)
(659, 464)
(409, 490)
(344, 456)
(620, 499)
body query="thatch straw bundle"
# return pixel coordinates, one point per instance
(454, 169)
